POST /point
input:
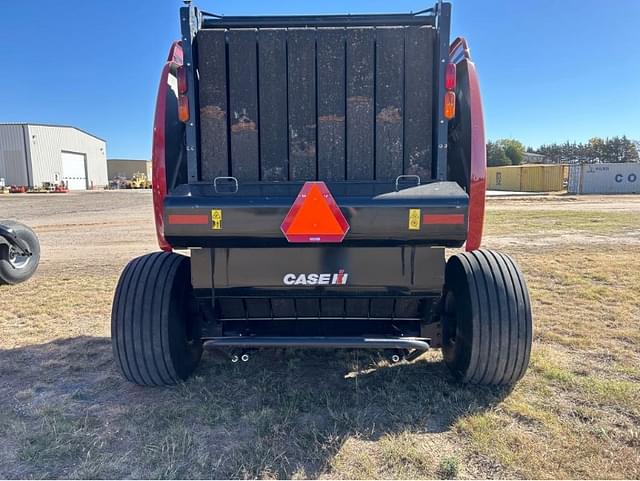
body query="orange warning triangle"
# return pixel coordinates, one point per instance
(315, 216)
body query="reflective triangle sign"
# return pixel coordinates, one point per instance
(314, 216)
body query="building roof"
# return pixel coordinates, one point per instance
(533, 154)
(129, 160)
(54, 125)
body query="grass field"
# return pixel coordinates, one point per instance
(66, 412)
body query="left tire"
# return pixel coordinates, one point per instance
(155, 339)
(16, 268)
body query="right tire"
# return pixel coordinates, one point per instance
(486, 320)
(155, 339)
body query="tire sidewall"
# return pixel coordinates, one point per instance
(186, 350)
(457, 355)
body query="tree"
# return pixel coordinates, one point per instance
(496, 156)
(513, 149)
(597, 149)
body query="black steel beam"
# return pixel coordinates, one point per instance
(319, 342)
(285, 21)
(441, 59)
(189, 24)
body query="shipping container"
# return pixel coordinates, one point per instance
(526, 178)
(623, 178)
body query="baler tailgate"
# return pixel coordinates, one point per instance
(316, 102)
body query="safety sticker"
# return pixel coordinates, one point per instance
(216, 219)
(414, 219)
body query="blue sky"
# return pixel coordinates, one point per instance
(549, 70)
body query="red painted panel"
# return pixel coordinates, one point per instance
(459, 52)
(443, 219)
(478, 185)
(189, 219)
(158, 165)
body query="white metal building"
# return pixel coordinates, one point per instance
(31, 154)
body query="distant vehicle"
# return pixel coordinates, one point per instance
(317, 167)
(19, 252)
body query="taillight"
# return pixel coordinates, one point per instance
(183, 100)
(449, 77)
(182, 80)
(183, 108)
(449, 105)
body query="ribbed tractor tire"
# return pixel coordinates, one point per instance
(486, 322)
(155, 338)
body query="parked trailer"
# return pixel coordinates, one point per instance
(610, 178)
(317, 167)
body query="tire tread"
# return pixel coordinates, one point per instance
(140, 319)
(501, 321)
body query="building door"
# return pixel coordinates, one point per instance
(74, 171)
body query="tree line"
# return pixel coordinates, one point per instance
(596, 150)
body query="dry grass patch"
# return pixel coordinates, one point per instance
(66, 412)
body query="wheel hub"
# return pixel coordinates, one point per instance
(18, 261)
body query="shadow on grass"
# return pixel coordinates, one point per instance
(282, 414)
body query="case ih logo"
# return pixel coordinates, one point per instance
(340, 278)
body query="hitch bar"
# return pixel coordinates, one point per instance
(13, 240)
(420, 344)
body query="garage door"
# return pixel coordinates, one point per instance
(74, 171)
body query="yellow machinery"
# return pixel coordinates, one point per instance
(139, 181)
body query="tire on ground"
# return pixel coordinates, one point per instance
(14, 269)
(487, 323)
(155, 339)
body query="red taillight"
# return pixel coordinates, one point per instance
(183, 108)
(449, 105)
(450, 77)
(315, 216)
(182, 80)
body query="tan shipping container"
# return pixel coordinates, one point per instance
(526, 178)
(503, 178)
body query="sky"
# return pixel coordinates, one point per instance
(549, 70)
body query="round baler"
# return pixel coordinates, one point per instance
(316, 175)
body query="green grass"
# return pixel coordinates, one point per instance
(529, 220)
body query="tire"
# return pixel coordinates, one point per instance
(13, 267)
(155, 339)
(487, 323)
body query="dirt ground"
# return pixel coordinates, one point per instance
(66, 412)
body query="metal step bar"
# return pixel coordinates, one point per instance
(421, 344)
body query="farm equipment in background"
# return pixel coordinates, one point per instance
(49, 188)
(139, 181)
(317, 167)
(117, 183)
(19, 252)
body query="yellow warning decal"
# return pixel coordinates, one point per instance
(414, 219)
(216, 219)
